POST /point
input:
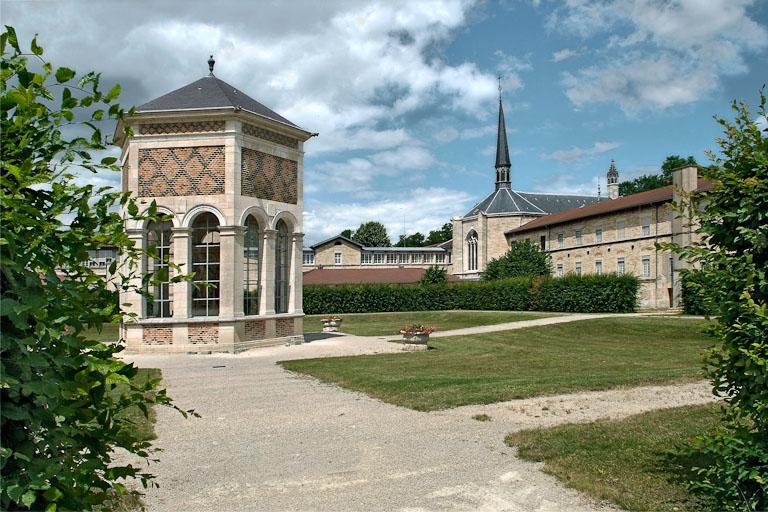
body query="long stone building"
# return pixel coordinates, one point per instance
(228, 171)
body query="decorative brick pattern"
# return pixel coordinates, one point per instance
(268, 177)
(180, 128)
(203, 333)
(193, 171)
(269, 135)
(284, 327)
(158, 335)
(254, 330)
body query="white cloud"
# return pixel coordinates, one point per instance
(436, 206)
(659, 54)
(474, 133)
(575, 153)
(567, 53)
(447, 135)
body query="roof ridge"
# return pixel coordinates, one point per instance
(529, 202)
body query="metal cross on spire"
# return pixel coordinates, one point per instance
(211, 63)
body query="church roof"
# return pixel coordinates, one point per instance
(508, 201)
(209, 93)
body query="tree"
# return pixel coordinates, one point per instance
(732, 262)
(652, 181)
(434, 275)
(347, 233)
(63, 395)
(438, 236)
(524, 259)
(414, 240)
(372, 234)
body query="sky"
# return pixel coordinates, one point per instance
(405, 94)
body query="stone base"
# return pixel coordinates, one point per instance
(212, 335)
(414, 347)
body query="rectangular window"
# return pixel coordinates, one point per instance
(560, 241)
(337, 258)
(428, 258)
(646, 223)
(416, 258)
(578, 268)
(391, 258)
(620, 230)
(599, 267)
(620, 266)
(559, 270)
(439, 258)
(403, 258)
(646, 266)
(309, 258)
(598, 235)
(543, 242)
(366, 258)
(578, 236)
(378, 258)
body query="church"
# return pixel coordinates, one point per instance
(478, 236)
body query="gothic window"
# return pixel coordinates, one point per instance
(205, 265)
(159, 235)
(472, 251)
(251, 266)
(282, 267)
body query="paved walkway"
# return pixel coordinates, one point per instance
(272, 440)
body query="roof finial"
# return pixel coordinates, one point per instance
(211, 63)
(499, 77)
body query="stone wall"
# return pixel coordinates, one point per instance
(325, 254)
(268, 177)
(207, 333)
(184, 171)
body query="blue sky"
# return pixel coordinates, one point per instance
(404, 94)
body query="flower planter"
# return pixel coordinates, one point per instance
(331, 325)
(418, 338)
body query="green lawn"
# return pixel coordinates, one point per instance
(624, 461)
(387, 324)
(144, 427)
(493, 367)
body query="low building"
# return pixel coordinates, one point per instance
(620, 235)
(340, 252)
(372, 275)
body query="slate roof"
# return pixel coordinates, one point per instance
(502, 148)
(505, 200)
(650, 197)
(338, 276)
(210, 92)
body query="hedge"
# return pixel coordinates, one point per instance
(586, 294)
(694, 294)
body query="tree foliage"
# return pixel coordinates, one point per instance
(524, 259)
(732, 258)
(652, 181)
(438, 236)
(414, 240)
(63, 395)
(434, 275)
(372, 234)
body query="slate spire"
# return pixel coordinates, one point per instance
(502, 149)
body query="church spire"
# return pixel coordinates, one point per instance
(502, 149)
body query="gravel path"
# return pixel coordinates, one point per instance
(272, 440)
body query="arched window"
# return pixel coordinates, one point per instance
(251, 266)
(159, 236)
(472, 251)
(205, 265)
(282, 267)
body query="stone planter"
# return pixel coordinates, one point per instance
(417, 338)
(331, 325)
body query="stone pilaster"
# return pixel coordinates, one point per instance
(267, 299)
(295, 303)
(231, 272)
(182, 290)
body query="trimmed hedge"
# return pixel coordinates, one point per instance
(585, 294)
(608, 293)
(694, 294)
